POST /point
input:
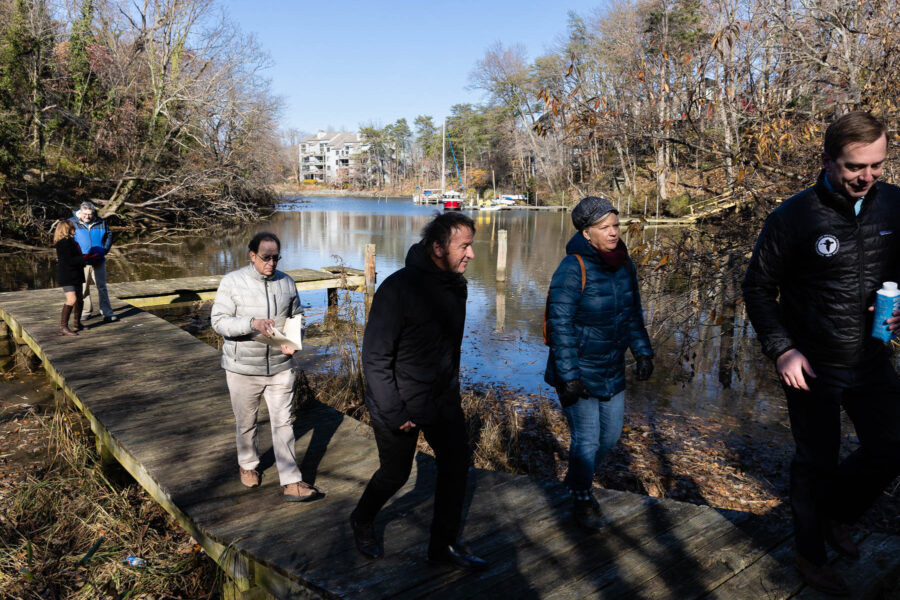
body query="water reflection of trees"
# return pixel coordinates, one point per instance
(692, 299)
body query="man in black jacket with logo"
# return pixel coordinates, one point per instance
(809, 288)
(410, 358)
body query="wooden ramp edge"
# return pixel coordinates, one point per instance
(156, 399)
(155, 292)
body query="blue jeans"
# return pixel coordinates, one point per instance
(596, 427)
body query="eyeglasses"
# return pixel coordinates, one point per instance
(266, 259)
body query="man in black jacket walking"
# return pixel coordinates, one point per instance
(809, 288)
(410, 357)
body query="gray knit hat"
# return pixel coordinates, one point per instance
(86, 206)
(590, 210)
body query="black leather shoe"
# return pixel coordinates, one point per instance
(457, 556)
(823, 578)
(839, 537)
(366, 542)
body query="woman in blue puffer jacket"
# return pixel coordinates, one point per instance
(594, 314)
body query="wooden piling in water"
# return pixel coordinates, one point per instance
(500, 323)
(501, 255)
(370, 275)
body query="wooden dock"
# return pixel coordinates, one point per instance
(157, 401)
(156, 292)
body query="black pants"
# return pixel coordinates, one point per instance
(396, 450)
(822, 489)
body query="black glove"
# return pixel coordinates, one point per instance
(571, 391)
(644, 368)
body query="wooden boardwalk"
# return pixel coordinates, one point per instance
(157, 401)
(155, 292)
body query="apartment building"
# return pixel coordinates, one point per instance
(329, 156)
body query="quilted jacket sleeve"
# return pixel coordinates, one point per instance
(639, 341)
(761, 288)
(223, 316)
(564, 297)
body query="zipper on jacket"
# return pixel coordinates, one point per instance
(860, 255)
(268, 316)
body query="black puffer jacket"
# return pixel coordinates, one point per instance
(826, 263)
(412, 343)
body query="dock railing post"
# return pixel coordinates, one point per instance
(370, 276)
(501, 255)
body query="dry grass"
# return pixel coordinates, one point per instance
(67, 524)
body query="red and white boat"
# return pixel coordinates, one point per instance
(452, 200)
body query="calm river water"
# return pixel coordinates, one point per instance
(706, 364)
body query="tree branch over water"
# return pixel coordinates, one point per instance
(157, 110)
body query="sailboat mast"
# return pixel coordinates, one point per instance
(443, 153)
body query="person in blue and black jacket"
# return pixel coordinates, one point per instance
(593, 315)
(95, 240)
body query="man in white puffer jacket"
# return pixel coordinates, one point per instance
(252, 301)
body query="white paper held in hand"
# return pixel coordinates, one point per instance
(290, 335)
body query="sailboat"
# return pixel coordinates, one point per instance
(451, 199)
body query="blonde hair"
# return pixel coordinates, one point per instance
(63, 230)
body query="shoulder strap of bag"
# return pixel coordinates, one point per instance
(583, 271)
(546, 328)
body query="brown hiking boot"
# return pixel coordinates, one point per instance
(301, 491)
(249, 477)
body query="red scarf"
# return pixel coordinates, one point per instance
(615, 258)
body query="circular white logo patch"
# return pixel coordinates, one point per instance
(827, 245)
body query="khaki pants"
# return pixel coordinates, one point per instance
(278, 391)
(95, 274)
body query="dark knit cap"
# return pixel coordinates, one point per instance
(590, 210)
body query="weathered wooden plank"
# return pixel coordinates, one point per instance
(637, 559)
(327, 517)
(565, 553)
(522, 541)
(707, 564)
(486, 528)
(875, 573)
(197, 500)
(770, 576)
(341, 569)
(344, 480)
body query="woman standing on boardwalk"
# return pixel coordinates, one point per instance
(594, 314)
(70, 273)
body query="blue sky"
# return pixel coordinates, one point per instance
(345, 63)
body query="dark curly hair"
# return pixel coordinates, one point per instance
(441, 227)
